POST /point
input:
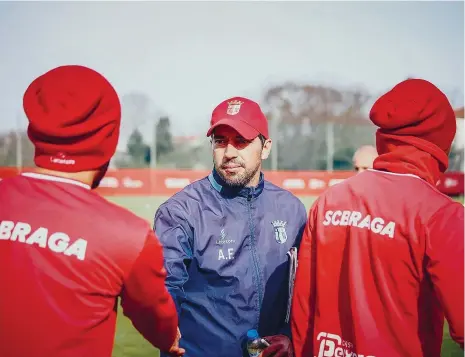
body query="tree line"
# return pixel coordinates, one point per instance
(313, 127)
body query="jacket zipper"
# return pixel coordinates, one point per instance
(254, 253)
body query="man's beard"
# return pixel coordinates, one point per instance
(238, 180)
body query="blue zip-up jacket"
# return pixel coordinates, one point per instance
(226, 257)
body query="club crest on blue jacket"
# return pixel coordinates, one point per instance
(280, 231)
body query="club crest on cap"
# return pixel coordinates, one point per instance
(234, 106)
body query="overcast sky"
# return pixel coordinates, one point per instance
(189, 56)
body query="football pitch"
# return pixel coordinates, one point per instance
(128, 342)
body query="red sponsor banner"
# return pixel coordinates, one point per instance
(168, 182)
(6, 172)
(452, 183)
(145, 182)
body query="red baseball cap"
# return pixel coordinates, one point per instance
(241, 114)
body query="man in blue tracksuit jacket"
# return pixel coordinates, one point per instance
(226, 239)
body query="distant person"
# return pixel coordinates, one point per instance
(381, 261)
(67, 254)
(226, 240)
(364, 157)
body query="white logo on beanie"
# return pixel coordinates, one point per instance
(60, 158)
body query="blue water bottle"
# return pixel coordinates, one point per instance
(255, 344)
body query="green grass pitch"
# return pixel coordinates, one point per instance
(128, 342)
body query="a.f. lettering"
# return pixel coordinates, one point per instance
(229, 254)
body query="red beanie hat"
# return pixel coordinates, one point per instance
(74, 119)
(415, 112)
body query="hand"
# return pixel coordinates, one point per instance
(281, 346)
(175, 350)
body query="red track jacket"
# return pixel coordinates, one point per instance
(381, 263)
(66, 254)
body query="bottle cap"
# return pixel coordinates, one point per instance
(252, 334)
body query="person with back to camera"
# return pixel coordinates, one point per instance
(67, 254)
(381, 261)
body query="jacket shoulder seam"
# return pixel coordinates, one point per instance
(180, 211)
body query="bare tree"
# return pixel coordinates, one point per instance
(8, 149)
(139, 113)
(313, 121)
(136, 107)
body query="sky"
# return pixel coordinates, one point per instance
(189, 56)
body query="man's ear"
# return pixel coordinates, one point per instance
(266, 149)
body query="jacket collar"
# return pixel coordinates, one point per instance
(248, 192)
(410, 155)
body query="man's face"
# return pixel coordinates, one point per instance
(363, 159)
(237, 160)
